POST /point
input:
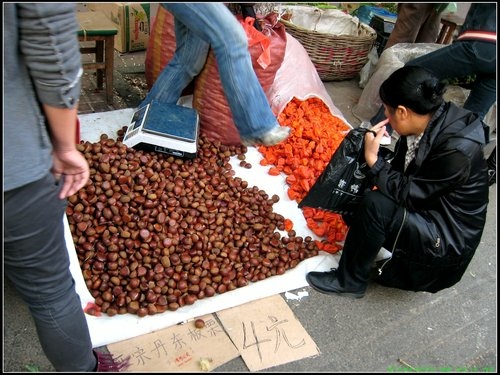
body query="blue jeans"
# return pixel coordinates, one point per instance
(461, 59)
(199, 26)
(37, 263)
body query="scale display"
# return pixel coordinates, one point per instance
(167, 128)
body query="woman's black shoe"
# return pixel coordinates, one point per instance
(327, 282)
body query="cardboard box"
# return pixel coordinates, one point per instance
(132, 21)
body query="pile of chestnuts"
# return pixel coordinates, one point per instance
(154, 232)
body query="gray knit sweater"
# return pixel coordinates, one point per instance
(42, 64)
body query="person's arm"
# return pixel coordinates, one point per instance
(49, 43)
(62, 127)
(68, 161)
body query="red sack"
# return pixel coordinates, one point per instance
(161, 45)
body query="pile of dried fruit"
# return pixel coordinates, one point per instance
(154, 232)
(316, 134)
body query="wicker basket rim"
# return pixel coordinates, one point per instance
(370, 32)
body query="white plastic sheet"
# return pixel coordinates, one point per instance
(105, 330)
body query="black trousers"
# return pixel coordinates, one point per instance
(375, 225)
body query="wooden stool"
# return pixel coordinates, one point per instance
(450, 23)
(95, 26)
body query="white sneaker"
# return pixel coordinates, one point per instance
(274, 136)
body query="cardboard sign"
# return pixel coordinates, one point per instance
(180, 348)
(266, 333)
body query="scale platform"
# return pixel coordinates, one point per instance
(167, 128)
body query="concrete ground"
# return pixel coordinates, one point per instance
(388, 330)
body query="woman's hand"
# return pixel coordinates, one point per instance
(372, 142)
(75, 169)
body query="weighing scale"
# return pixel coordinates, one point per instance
(167, 128)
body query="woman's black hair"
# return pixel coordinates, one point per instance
(413, 87)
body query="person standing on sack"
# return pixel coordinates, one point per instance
(199, 26)
(430, 202)
(42, 167)
(416, 23)
(473, 53)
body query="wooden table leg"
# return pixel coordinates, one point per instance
(449, 24)
(441, 35)
(109, 62)
(99, 58)
(449, 35)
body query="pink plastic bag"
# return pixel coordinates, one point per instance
(297, 77)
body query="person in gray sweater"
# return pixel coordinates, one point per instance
(42, 168)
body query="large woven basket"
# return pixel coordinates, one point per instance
(337, 54)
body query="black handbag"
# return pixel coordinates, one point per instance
(342, 185)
